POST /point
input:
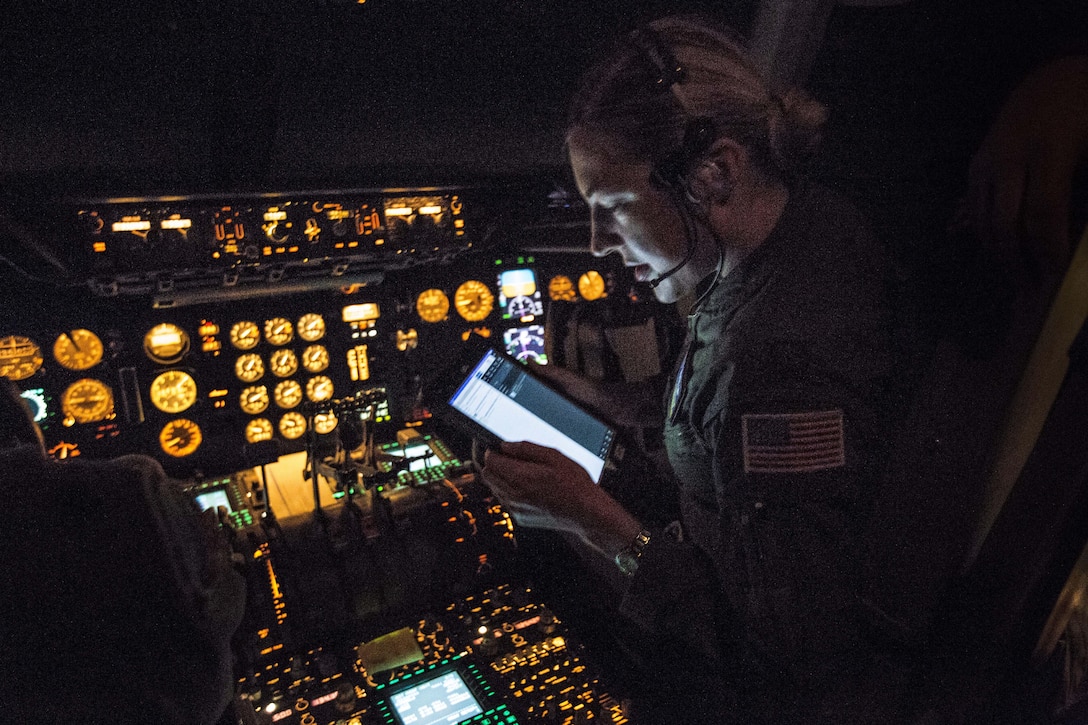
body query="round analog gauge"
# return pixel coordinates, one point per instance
(591, 285)
(521, 307)
(288, 394)
(87, 401)
(292, 426)
(78, 349)
(561, 289)
(432, 305)
(245, 335)
(180, 437)
(325, 423)
(473, 300)
(284, 363)
(311, 327)
(278, 331)
(258, 429)
(315, 358)
(254, 399)
(20, 357)
(173, 391)
(166, 343)
(319, 388)
(249, 367)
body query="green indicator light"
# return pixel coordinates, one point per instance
(498, 261)
(338, 494)
(521, 260)
(532, 259)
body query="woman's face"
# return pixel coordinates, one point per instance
(632, 216)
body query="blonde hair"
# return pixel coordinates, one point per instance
(713, 89)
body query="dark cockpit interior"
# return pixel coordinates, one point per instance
(257, 241)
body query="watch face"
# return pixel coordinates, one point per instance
(627, 562)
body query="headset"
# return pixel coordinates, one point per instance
(689, 189)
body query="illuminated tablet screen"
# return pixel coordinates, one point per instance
(213, 499)
(502, 397)
(444, 700)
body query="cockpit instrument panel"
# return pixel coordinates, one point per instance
(160, 244)
(200, 338)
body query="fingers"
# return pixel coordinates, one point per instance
(519, 463)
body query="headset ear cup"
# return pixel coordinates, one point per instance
(709, 184)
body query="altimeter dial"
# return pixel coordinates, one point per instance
(173, 391)
(78, 349)
(87, 401)
(180, 437)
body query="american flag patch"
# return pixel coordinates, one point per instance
(793, 442)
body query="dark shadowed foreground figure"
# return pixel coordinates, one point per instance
(117, 599)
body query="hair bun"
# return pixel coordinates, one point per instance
(794, 125)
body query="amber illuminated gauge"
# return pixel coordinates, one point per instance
(166, 343)
(245, 335)
(258, 429)
(311, 327)
(254, 399)
(20, 357)
(288, 394)
(292, 426)
(315, 358)
(180, 437)
(473, 300)
(319, 388)
(561, 289)
(591, 285)
(173, 391)
(278, 331)
(87, 401)
(432, 305)
(249, 367)
(78, 349)
(283, 363)
(325, 423)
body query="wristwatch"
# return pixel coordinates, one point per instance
(627, 559)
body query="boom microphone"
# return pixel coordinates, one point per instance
(687, 258)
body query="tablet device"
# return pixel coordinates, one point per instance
(503, 401)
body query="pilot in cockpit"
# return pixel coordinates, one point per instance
(118, 598)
